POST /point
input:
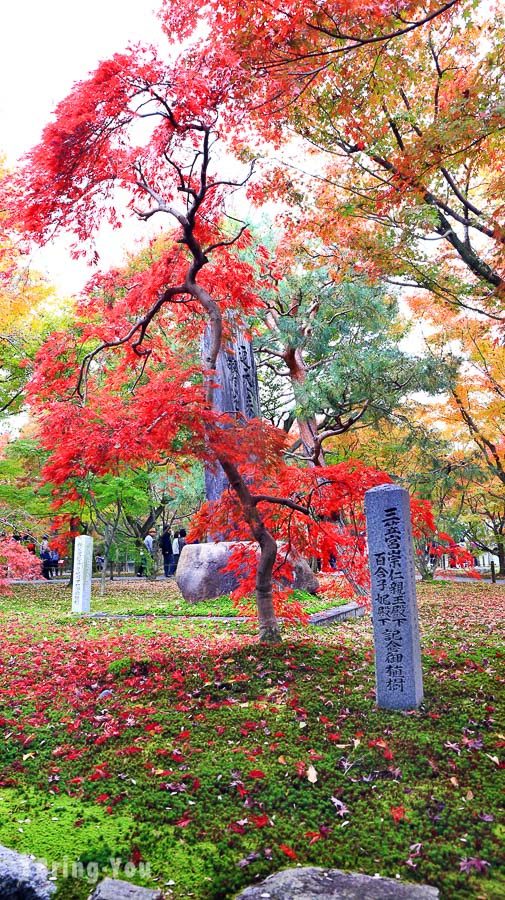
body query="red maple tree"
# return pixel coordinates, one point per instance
(148, 131)
(16, 562)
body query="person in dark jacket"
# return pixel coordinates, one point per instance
(166, 549)
(47, 563)
(55, 561)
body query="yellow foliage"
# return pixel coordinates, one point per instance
(21, 291)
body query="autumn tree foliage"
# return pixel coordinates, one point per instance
(146, 397)
(417, 175)
(330, 354)
(25, 500)
(472, 422)
(404, 105)
(138, 137)
(483, 520)
(16, 562)
(24, 316)
(477, 399)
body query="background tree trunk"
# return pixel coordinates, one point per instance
(501, 556)
(307, 427)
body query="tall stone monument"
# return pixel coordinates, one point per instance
(399, 680)
(83, 568)
(201, 571)
(236, 392)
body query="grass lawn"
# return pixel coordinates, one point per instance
(135, 597)
(202, 761)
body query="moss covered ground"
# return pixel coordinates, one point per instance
(134, 597)
(184, 755)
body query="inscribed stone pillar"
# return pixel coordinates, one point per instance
(237, 392)
(83, 567)
(398, 672)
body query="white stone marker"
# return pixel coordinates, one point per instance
(399, 680)
(83, 567)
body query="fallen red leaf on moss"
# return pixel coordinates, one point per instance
(288, 851)
(397, 812)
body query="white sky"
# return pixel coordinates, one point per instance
(45, 47)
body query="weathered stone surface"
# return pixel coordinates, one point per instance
(332, 884)
(83, 570)
(21, 878)
(200, 573)
(399, 679)
(304, 578)
(114, 889)
(236, 391)
(337, 614)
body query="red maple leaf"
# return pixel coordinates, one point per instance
(397, 812)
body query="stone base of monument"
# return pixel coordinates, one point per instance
(332, 884)
(338, 614)
(200, 574)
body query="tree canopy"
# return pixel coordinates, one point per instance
(397, 118)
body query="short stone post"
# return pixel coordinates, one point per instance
(83, 568)
(399, 679)
(493, 572)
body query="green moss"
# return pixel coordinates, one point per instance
(61, 830)
(203, 739)
(143, 598)
(121, 666)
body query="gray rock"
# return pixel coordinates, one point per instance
(399, 679)
(332, 884)
(113, 889)
(21, 878)
(200, 573)
(304, 578)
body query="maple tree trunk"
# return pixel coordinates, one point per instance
(269, 631)
(268, 625)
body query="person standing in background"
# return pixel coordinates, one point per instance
(55, 559)
(176, 552)
(166, 549)
(47, 563)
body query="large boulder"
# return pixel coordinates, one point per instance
(200, 574)
(331, 884)
(22, 878)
